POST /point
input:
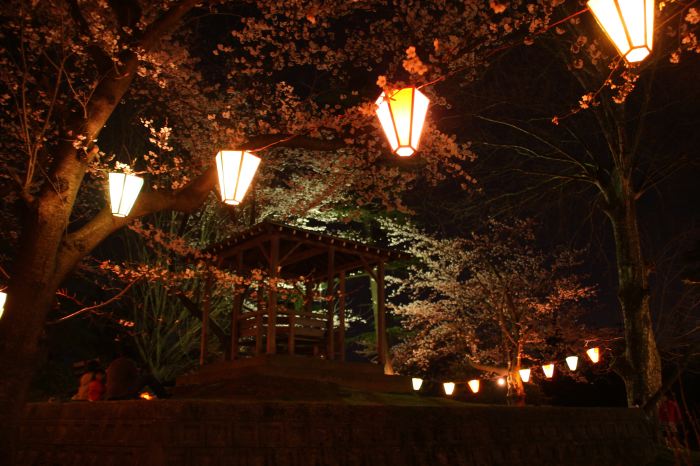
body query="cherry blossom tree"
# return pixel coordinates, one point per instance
(492, 301)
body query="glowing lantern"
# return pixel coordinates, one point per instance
(146, 396)
(501, 382)
(474, 385)
(572, 362)
(449, 388)
(3, 298)
(628, 23)
(123, 191)
(402, 115)
(236, 170)
(594, 354)
(524, 374)
(548, 370)
(417, 382)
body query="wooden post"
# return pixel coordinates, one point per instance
(341, 316)
(205, 319)
(381, 315)
(272, 296)
(291, 322)
(330, 291)
(237, 307)
(259, 322)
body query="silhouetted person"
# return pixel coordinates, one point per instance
(669, 418)
(92, 377)
(125, 382)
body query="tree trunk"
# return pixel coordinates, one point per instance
(642, 371)
(515, 396)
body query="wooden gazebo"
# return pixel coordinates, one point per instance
(287, 252)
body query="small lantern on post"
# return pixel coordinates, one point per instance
(548, 370)
(236, 169)
(628, 23)
(402, 115)
(594, 354)
(3, 298)
(449, 388)
(572, 362)
(474, 385)
(417, 383)
(501, 382)
(124, 189)
(524, 375)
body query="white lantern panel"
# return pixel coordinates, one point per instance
(236, 170)
(123, 191)
(3, 298)
(474, 385)
(417, 383)
(449, 388)
(572, 362)
(524, 375)
(628, 23)
(402, 116)
(548, 370)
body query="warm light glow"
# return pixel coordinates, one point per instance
(548, 370)
(123, 191)
(628, 23)
(417, 383)
(594, 354)
(449, 388)
(524, 375)
(402, 115)
(236, 170)
(501, 382)
(146, 396)
(572, 362)
(474, 385)
(3, 298)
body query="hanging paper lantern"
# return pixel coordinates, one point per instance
(402, 115)
(449, 388)
(524, 375)
(548, 370)
(123, 191)
(3, 298)
(417, 382)
(628, 23)
(572, 362)
(594, 354)
(501, 381)
(236, 169)
(474, 385)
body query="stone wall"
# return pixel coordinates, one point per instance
(213, 433)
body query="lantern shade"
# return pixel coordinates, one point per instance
(572, 362)
(236, 170)
(417, 383)
(474, 385)
(123, 191)
(548, 370)
(524, 375)
(594, 354)
(449, 388)
(628, 23)
(402, 115)
(501, 381)
(3, 298)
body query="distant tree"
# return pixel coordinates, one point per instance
(492, 301)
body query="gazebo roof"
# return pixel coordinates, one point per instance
(301, 252)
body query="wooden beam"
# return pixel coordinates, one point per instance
(204, 340)
(289, 260)
(236, 310)
(381, 316)
(272, 296)
(341, 315)
(330, 302)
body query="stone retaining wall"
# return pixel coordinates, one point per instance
(217, 433)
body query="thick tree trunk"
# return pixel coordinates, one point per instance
(515, 395)
(642, 371)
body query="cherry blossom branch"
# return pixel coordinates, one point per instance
(96, 306)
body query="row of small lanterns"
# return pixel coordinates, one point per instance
(628, 23)
(548, 369)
